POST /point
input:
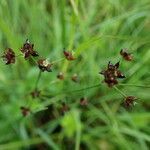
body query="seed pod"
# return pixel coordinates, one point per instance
(60, 76)
(129, 101)
(64, 108)
(25, 111)
(127, 56)
(111, 74)
(83, 101)
(68, 55)
(35, 93)
(28, 50)
(75, 78)
(44, 65)
(9, 56)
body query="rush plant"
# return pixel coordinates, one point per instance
(80, 81)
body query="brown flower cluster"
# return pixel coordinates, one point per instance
(9, 56)
(28, 50)
(111, 74)
(36, 93)
(129, 101)
(127, 56)
(25, 111)
(60, 76)
(44, 65)
(69, 55)
(83, 101)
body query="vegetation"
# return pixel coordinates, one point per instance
(59, 94)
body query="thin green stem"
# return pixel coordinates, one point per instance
(74, 91)
(37, 81)
(34, 60)
(135, 85)
(122, 93)
(20, 144)
(19, 55)
(61, 59)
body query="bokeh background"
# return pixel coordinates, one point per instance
(95, 30)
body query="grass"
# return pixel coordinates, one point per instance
(96, 31)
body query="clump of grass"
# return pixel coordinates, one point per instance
(95, 33)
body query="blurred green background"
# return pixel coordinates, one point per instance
(96, 30)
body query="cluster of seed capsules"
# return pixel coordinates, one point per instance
(111, 74)
(27, 50)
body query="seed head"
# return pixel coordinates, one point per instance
(35, 93)
(75, 78)
(111, 74)
(127, 56)
(129, 101)
(60, 76)
(28, 50)
(9, 56)
(83, 101)
(44, 65)
(25, 111)
(68, 55)
(64, 108)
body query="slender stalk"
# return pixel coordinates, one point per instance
(33, 59)
(37, 81)
(1, 56)
(21, 144)
(135, 85)
(19, 55)
(61, 59)
(122, 93)
(74, 91)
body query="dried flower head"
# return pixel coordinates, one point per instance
(64, 108)
(83, 101)
(60, 76)
(25, 111)
(28, 50)
(75, 78)
(127, 56)
(111, 74)
(68, 55)
(35, 93)
(9, 56)
(129, 101)
(44, 65)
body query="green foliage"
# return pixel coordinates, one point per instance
(95, 30)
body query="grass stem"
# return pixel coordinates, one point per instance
(74, 91)
(135, 85)
(122, 93)
(37, 81)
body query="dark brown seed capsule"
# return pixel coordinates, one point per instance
(35, 93)
(60, 76)
(9, 56)
(83, 101)
(68, 55)
(44, 65)
(111, 74)
(25, 111)
(28, 50)
(75, 78)
(129, 101)
(64, 108)
(127, 56)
